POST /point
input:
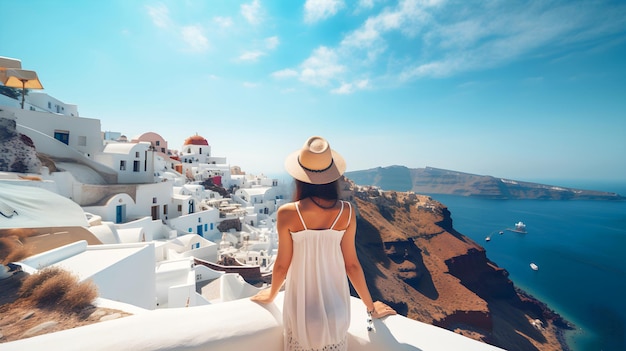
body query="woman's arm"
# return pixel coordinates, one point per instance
(283, 258)
(356, 275)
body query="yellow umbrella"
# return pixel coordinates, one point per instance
(7, 62)
(20, 78)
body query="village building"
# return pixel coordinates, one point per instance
(144, 230)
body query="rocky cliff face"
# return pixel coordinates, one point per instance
(415, 261)
(17, 151)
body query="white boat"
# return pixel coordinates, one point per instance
(534, 267)
(520, 227)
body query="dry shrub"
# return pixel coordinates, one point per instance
(34, 280)
(20, 233)
(80, 296)
(11, 250)
(55, 288)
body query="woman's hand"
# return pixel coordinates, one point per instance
(264, 296)
(381, 310)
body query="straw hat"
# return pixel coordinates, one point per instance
(316, 162)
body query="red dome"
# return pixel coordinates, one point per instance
(196, 140)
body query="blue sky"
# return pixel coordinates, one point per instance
(518, 89)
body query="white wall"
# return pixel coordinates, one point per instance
(188, 224)
(147, 194)
(240, 325)
(108, 210)
(130, 280)
(114, 154)
(46, 102)
(84, 133)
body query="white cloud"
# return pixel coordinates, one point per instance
(365, 4)
(317, 10)
(271, 43)
(160, 15)
(191, 35)
(345, 88)
(349, 88)
(252, 12)
(370, 35)
(223, 22)
(417, 39)
(250, 85)
(322, 67)
(430, 69)
(194, 37)
(251, 55)
(363, 84)
(285, 73)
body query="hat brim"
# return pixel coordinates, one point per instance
(334, 172)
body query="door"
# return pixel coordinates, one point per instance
(200, 230)
(120, 213)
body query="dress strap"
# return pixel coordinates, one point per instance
(300, 214)
(339, 215)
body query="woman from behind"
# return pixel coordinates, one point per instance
(316, 236)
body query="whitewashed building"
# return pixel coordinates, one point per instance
(134, 162)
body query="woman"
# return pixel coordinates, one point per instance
(316, 251)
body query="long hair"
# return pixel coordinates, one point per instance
(328, 191)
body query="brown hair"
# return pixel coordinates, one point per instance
(329, 191)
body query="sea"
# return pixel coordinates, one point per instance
(578, 245)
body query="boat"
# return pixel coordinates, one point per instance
(487, 238)
(520, 227)
(534, 267)
(501, 232)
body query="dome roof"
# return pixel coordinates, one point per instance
(196, 140)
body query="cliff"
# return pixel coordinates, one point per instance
(429, 272)
(440, 181)
(17, 151)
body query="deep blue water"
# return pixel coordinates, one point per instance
(579, 248)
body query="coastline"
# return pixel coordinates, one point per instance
(563, 240)
(561, 325)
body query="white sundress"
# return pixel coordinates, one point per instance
(316, 311)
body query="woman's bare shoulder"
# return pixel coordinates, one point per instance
(287, 209)
(290, 206)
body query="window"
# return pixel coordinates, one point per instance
(122, 165)
(137, 154)
(154, 200)
(62, 136)
(49, 105)
(82, 140)
(135, 166)
(180, 208)
(158, 142)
